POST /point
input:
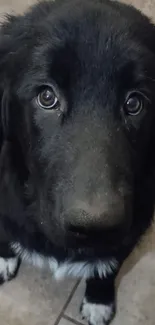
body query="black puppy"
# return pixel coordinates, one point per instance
(77, 141)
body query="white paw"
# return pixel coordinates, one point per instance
(97, 314)
(8, 268)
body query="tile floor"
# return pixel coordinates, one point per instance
(37, 299)
(34, 298)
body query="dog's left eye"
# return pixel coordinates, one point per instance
(47, 98)
(134, 104)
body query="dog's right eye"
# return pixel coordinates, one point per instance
(47, 98)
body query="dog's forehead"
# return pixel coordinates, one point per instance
(90, 31)
(88, 44)
(97, 51)
(91, 40)
(93, 36)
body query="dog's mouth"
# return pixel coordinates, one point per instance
(97, 242)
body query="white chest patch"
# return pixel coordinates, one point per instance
(67, 268)
(86, 269)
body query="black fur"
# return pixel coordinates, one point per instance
(77, 182)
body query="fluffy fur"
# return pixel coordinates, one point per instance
(60, 269)
(76, 177)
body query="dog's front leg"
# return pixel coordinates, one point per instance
(98, 306)
(9, 263)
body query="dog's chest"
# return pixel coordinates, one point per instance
(62, 269)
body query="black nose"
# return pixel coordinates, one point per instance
(83, 222)
(86, 228)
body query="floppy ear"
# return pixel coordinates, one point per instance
(4, 131)
(12, 162)
(7, 46)
(4, 116)
(12, 49)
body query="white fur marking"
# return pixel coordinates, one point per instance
(8, 267)
(86, 269)
(67, 268)
(35, 258)
(96, 314)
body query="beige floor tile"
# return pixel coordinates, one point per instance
(147, 6)
(15, 5)
(65, 322)
(136, 288)
(125, 314)
(73, 308)
(33, 298)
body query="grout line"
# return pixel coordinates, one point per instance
(70, 319)
(67, 302)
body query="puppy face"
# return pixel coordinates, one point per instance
(80, 78)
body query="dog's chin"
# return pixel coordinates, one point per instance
(89, 252)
